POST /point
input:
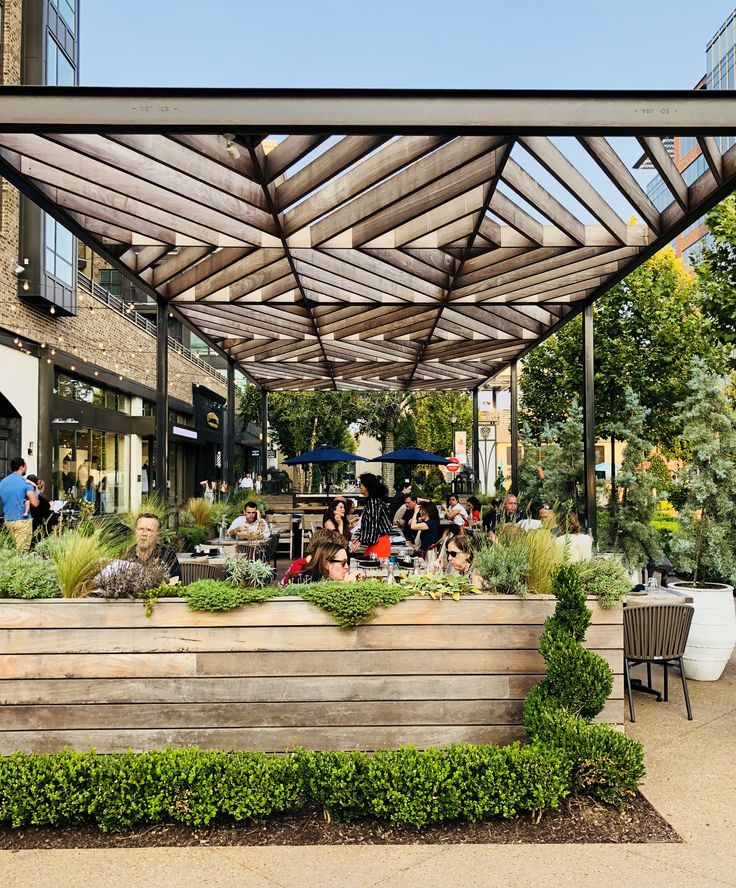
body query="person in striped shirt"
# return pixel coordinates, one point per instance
(375, 523)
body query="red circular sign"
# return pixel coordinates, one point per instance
(453, 464)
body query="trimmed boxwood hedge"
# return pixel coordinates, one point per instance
(565, 754)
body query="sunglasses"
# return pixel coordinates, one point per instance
(342, 561)
(451, 554)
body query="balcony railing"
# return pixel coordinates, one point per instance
(116, 304)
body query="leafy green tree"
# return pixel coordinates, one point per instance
(717, 270)
(634, 502)
(531, 478)
(705, 545)
(432, 411)
(379, 415)
(647, 329)
(563, 462)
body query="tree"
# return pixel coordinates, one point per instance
(432, 411)
(705, 545)
(563, 462)
(634, 502)
(648, 329)
(379, 415)
(717, 270)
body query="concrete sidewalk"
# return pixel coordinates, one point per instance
(691, 781)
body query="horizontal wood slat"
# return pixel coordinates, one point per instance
(87, 614)
(276, 675)
(436, 662)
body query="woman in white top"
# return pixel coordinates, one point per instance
(457, 513)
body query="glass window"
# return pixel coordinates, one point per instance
(59, 252)
(67, 10)
(92, 467)
(112, 281)
(76, 389)
(59, 70)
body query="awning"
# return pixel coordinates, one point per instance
(366, 239)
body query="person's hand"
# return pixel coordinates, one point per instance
(354, 545)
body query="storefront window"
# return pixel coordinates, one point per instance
(76, 389)
(92, 466)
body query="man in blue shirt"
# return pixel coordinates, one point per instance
(15, 493)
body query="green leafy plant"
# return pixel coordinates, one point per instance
(213, 595)
(352, 603)
(251, 574)
(77, 556)
(193, 535)
(128, 579)
(438, 585)
(150, 596)
(557, 711)
(504, 566)
(605, 579)
(544, 554)
(26, 575)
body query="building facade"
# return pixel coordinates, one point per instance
(719, 58)
(78, 362)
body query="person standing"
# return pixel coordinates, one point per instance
(18, 497)
(375, 524)
(43, 517)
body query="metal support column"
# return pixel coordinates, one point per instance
(160, 472)
(264, 434)
(228, 456)
(591, 517)
(515, 428)
(476, 442)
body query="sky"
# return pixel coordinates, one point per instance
(523, 44)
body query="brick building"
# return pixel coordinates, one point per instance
(77, 363)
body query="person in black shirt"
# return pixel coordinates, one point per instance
(43, 517)
(403, 489)
(147, 547)
(509, 514)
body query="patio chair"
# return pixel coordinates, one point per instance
(199, 570)
(655, 633)
(310, 523)
(282, 525)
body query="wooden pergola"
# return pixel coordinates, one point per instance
(372, 240)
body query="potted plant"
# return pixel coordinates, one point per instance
(705, 544)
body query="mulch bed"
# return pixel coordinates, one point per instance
(579, 820)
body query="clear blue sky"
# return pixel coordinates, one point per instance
(535, 44)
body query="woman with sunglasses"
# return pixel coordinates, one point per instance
(329, 561)
(460, 556)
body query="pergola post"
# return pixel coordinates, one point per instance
(476, 441)
(591, 517)
(160, 469)
(264, 434)
(228, 462)
(515, 427)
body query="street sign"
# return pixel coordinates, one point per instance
(453, 464)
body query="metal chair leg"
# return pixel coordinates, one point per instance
(649, 675)
(684, 690)
(666, 682)
(627, 687)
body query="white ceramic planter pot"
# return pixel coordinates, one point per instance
(713, 631)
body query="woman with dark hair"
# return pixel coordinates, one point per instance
(426, 520)
(337, 519)
(43, 517)
(329, 561)
(301, 565)
(375, 524)
(474, 509)
(460, 557)
(403, 489)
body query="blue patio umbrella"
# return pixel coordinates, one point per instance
(324, 454)
(412, 455)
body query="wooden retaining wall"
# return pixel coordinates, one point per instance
(100, 674)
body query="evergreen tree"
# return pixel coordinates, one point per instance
(634, 502)
(563, 462)
(706, 543)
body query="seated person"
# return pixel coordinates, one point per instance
(403, 515)
(457, 513)
(548, 519)
(337, 519)
(460, 557)
(509, 514)
(147, 546)
(329, 561)
(426, 521)
(474, 509)
(403, 489)
(491, 513)
(301, 564)
(249, 525)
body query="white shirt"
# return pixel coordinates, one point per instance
(246, 483)
(461, 516)
(259, 527)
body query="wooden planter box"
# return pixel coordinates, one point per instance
(100, 674)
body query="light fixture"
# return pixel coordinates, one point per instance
(453, 418)
(52, 310)
(20, 269)
(30, 448)
(26, 285)
(72, 367)
(230, 146)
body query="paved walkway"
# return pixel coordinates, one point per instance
(691, 781)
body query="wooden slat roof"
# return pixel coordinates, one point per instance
(352, 250)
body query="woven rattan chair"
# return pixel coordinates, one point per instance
(655, 633)
(199, 570)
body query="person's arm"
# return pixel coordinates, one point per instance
(32, 495)
(416, 524)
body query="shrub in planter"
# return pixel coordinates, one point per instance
(193, 535)
(200, 510)
(604, 579)
(130, 579)
(251, 574)
(504, 566)
(77, 556)
(26, 575)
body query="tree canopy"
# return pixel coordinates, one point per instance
(647, 330)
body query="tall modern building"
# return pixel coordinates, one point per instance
(77, 360)
(719, 59)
